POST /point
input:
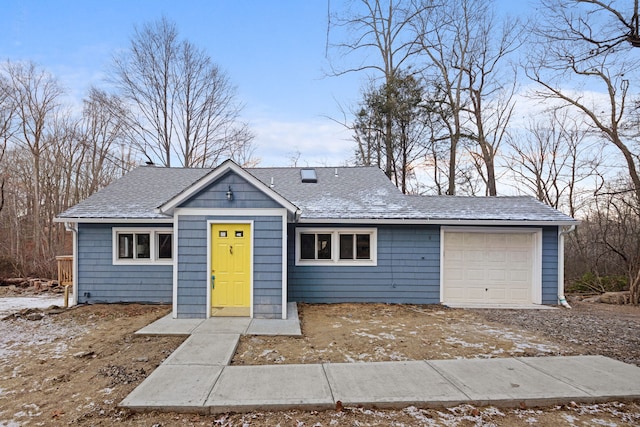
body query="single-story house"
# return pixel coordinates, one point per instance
(235, 241)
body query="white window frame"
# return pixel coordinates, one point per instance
(153, 246)
(335, 247)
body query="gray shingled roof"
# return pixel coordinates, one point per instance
(353, 193)
(137, 194)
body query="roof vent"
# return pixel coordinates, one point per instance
(308, 175)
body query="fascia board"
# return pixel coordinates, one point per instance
(228, 165)
(433, 221)
(115, 220)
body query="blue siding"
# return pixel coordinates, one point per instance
(245, 195)
(101, 281)
(408, 271)
(193, 277)
(550, 265)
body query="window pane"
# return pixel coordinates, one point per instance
(307, 246)
(143, 246)
(346, 246)
(164, 245)
(324, 246)
(363, 246)
(125, 246)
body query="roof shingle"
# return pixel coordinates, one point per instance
(343, 193)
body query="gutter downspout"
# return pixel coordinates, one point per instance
(69, 226)
(561, 298)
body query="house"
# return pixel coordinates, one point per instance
(234, 241)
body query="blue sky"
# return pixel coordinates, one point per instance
(273, 51)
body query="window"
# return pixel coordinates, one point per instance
(165, 246)
(336, 246)
(355, 246)
(142, 246)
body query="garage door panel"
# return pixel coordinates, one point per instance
(473, 256)
(473, 239)
(519, 256)
(455, 292)
(494, 256)
(518, 295)
(476, 294)
(455, 255)
(496, 275)
(474, 275)
(488, 267)
(496, 239)
(519, 240)
(497, 294)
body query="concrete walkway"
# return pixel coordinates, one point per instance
(197, 378)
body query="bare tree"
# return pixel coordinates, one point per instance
(35, 95)
(466, 52)
(101, 132)
(577, 48)
(381, 28)
(178, 103)
(6, 129)
(446, 40)
(491, 90)
(600, 27)
(554, 160)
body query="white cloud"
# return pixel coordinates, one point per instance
(320, 142)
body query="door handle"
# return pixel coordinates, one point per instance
(231, 249)
(213, 281)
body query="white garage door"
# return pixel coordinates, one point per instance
(488, 267)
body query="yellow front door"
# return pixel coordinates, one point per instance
(230, 266)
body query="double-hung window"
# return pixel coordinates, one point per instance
(323, 246)
(142, 246)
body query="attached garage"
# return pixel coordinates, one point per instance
(327, 235)
(491, 265)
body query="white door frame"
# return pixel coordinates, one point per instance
(210, 224)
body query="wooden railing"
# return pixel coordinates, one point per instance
(65, 275)
(65, 269)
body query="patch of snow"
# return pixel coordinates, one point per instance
(25, 338)
(381, 335)
(521, 343)
(32, 410)
(366, 335)
(9, 305)
(599, 422)
(454, 340)
(570, 419)
(420, 415)
(267, 352)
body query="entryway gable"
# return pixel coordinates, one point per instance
(230, 191)
(228, 186)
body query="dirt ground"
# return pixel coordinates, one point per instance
(72, 367)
